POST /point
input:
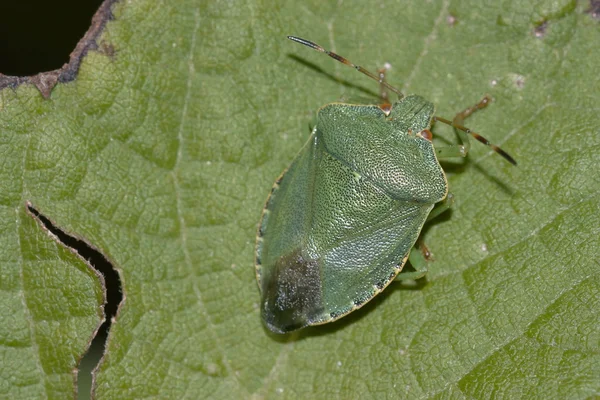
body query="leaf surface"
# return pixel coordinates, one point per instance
(162, 151)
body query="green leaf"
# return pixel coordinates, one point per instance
(51, 304)
(162, 151)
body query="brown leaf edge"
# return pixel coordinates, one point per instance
(113, 294)
(46, 81)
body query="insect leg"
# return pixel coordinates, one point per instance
(418, 262)
(419, 255)
(462, 149)
(441, 207)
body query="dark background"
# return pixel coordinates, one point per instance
(38, 35)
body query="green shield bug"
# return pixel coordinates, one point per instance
(340, 222)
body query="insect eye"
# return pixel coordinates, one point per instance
(386, 108)
(426, 134)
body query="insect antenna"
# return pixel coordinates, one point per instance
(456, 123)
(343, 60)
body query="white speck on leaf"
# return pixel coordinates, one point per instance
(518, 80)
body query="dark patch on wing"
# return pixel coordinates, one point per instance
(292, 293)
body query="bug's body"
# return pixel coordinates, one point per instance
(340, 222)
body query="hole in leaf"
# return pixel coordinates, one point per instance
(114, 297)
(39, 35)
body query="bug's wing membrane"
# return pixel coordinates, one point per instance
(290, 281)
(289, 207)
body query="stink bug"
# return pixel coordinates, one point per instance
(340, 222)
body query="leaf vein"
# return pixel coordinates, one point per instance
(182, 223)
